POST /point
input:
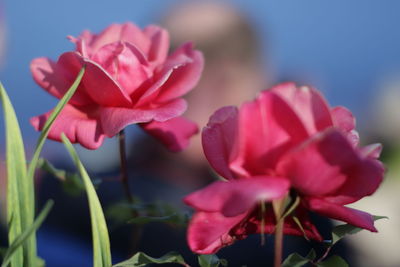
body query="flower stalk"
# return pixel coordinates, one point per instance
(278, 206)
(124, 167)
(262, 204)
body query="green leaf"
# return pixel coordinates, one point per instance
(101, 242)
(72, 182)
(140, 259)
(147, 212)
(211, 260)
(334, 261)
(341, 231)
(311, 255)
(19, 189)
(147, 219)
(377, 217)
(23, 237)
(295, 260)
(46, 166)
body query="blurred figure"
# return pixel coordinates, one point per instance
(233, 72)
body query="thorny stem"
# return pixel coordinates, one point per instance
(124, 166)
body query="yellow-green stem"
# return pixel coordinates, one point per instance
(278, 206)
(278, 243)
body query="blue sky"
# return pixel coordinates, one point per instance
(346, 48)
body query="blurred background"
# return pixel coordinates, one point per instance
(350, 50)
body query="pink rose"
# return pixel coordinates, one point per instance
(129, 78)
(288, 136)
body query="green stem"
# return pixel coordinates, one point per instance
(278, 243)
(278, 206)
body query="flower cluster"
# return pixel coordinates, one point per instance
(129, 78)
(288, 141)
(286, 144)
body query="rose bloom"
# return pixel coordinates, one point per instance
(288, 141)
(129, 78)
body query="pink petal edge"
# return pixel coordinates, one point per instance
(175, 133)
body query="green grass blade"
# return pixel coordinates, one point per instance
(46, 129)
(101, 242)
(19, 188)
(22, 238)
(32, 166)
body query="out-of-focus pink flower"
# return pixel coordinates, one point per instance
(288, 135)
(129, 78)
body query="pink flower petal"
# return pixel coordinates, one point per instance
(364, 178)
(353, 137)
(114, 119)
(175, 133)
(344, 119)
(127, 32)
(329, 165)
(309, 105)
(219, 140)
(159, 44)
(79, 125)
(124, 63)
(149, 91)
(372, 151)
(316, 166)
(188, 65)
(102, 88)
(352, 216)
(268, 127)
(56, 78)
(82, 43)
(97, 85)
(209, 231)
(237, 196)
